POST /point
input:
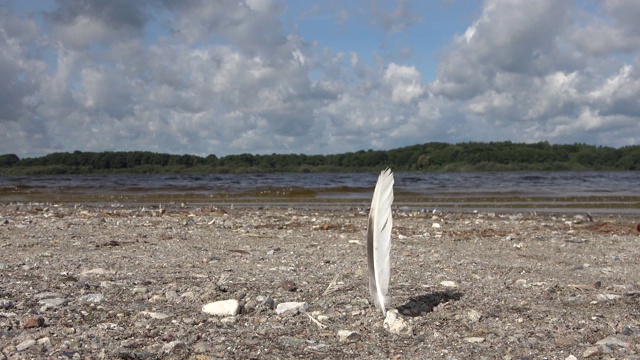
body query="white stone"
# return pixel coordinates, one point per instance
(474, 315)
(93, 298)
(448, 283)
(396, 325)
(348, 336)
(25, 345)
(293, 307)
(607, 297)
(222, 308)
(97, 271)
(155, 315)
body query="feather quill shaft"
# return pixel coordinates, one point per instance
(379, 240)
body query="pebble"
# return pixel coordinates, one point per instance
(32, 322)
(596, 351)
(52, 303)
(140, 290)
(474, 340)
(97, 271)
(613, 341)
(48, 295)
(317, 348)
(172, 346)
(348, 336)
(607, 297)
(267, 301)
(93, 298)
(291, 341)
(291, 307)
(202, 347)
(6, 304)
(448, 283)
(222, 308)
(288, 285)
(45, 341)
(474, 315)
(229, 320)
(396, 325)
(155, 315)
(25, 345)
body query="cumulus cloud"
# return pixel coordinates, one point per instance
(538, 68)
(227, 76)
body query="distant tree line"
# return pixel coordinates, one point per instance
(470, 156)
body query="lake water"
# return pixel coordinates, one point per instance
(612, 192)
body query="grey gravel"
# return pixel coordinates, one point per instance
(117, 282)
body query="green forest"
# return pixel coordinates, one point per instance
(434, 156)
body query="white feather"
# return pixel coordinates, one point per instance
(379, 240)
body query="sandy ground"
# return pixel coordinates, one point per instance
(90, 282)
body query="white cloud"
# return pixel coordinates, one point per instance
(405, 83)
(227, 76)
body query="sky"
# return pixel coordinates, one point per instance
(315, 77)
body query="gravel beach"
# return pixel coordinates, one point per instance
(181, 282)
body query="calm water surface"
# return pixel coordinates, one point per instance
(535, 191)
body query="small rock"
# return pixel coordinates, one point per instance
(155, 315)
(291, 307)
(33, 322)
(6, 304)
(45, 341)
(172, 346)
(229, 320)
(571, 357)
(222, 308)
(566, 341)
(48, 295)
(474, 340)
(201, 347)
(188, 295)
(52, 303)
(317, 348)
(613, 341)
(291, 341)
(474, 315)
(139, 290)
(288, 285)
(435, 225)
(97, 271)
(348, 336)
(171, 295)
(25, 345)
(250, 305)
(591, 351)
(267, 302)
(448, 283)
(395, 324)
(93, 298)
(607, 297)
